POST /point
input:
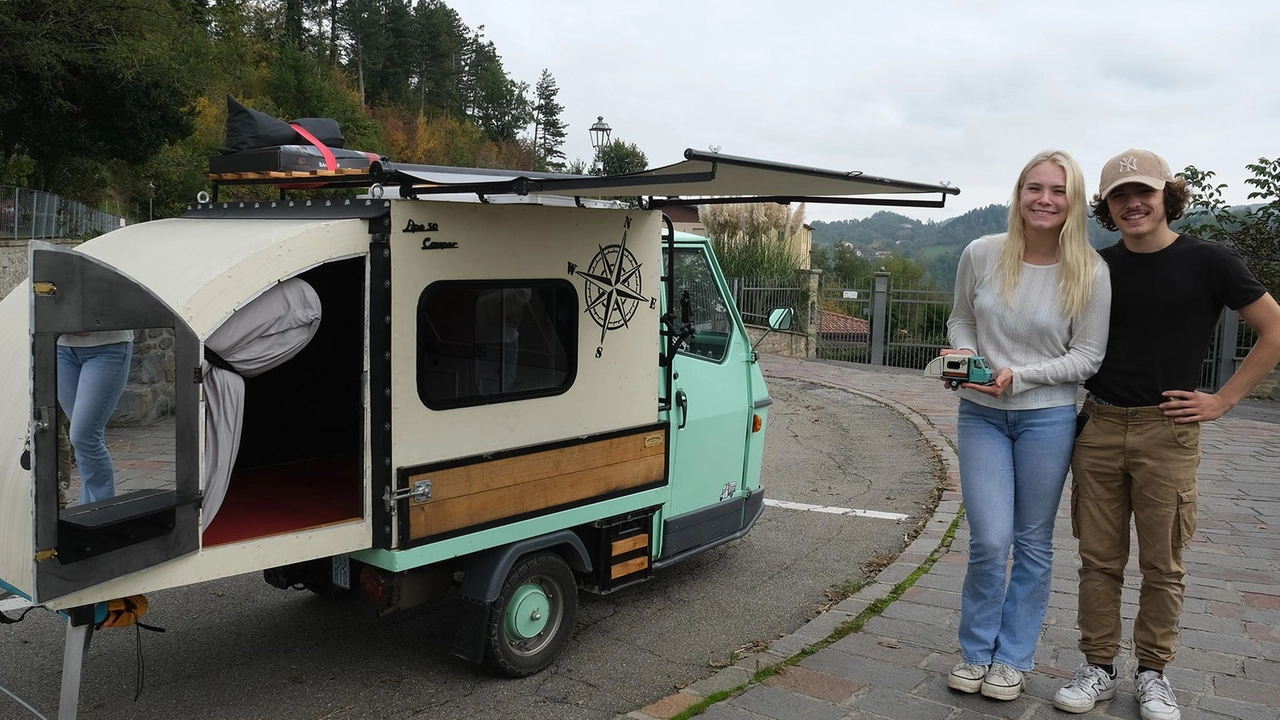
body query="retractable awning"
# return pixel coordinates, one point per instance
(701, 178)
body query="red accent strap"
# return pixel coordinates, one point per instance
(330, 162)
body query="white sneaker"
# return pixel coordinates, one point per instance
(1155, 697)
(1089, 685)
(967, 677)
(1003, 683)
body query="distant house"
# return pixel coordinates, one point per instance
(684, 218)
(834, 328)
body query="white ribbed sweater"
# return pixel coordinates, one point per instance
(1048, 353)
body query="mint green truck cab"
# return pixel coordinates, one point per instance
(523, 395)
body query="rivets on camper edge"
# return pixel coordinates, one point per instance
(387, 319)
(386, 252)
(388, 392)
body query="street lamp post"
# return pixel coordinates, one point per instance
(599, 139)
(151, 197)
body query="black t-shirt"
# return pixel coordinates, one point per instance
(1164, 307)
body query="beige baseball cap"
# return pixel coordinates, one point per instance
(1134, 166)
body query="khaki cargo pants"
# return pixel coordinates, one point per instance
(1132, 461)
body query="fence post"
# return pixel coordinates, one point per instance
(1228, 332)
(15, 213)
(879, 316)
(815, 316)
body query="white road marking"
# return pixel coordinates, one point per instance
(835, 510)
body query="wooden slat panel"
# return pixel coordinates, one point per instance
(626, 545)
(486, 476)
(629, 567)
(439, 516)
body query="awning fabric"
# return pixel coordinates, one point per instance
(701, 175)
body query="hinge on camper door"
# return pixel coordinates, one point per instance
(420, 492)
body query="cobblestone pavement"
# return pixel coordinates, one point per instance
(895, 666)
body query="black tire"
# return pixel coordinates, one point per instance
(543, 582)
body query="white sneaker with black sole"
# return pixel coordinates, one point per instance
(1089, 685)
(1155, 697)
(1003, 682)
(967, 677)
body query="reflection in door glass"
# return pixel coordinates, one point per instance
(712, 323)
(116, 407)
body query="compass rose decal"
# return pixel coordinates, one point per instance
(612, 287)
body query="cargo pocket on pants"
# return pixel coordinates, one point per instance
(1187, 501)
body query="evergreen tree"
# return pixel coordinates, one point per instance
(549, 130)
(620, 157)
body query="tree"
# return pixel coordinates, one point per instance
(753, 240)
(83, 84)
(1254, 232)
(439, 40)
(549, 131)
(620, 158)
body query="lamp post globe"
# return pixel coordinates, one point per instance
(600, 138)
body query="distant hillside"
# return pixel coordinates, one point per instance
(936, 245)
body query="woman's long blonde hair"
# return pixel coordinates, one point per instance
(1076, 258)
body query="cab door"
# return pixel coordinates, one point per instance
(82, 545)
(710, 413)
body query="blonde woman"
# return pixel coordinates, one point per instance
(1035, 302)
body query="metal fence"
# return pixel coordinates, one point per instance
(755, 299)
(906, 327)
(35, 215)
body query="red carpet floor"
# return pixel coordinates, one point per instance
(287, 498)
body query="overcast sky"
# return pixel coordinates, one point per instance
(963, 92)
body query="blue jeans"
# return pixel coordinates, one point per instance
(90, 380)
(1012, 467)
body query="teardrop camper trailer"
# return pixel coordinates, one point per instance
(520, 397)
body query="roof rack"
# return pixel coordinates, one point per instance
(702, 178)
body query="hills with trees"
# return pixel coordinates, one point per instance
(98, 100)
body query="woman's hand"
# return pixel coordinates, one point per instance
(1003, 379)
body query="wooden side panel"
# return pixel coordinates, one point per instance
(488, 491)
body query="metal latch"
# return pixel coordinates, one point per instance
(43, 287)
(421, 492)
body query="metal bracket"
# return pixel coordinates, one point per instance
(420, 492)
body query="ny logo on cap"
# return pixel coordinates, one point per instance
(1128, 163)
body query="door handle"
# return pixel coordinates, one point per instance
(682, 402)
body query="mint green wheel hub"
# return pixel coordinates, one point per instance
(528, 612)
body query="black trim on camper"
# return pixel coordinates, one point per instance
(380, 389)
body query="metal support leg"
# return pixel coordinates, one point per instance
(77, 649)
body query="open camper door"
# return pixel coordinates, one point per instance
(82, 545)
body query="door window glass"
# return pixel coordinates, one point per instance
(483, 342)
(712, 321)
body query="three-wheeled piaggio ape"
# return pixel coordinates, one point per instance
(516, 397)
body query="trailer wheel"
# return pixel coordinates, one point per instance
(532, 617)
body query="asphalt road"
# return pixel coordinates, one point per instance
(239, 648)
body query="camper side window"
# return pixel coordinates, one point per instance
(482, 342)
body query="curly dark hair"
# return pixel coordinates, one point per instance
(1176, 197)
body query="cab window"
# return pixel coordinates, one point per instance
(482, 342)
(711, 317)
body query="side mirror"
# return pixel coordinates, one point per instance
(780, 318)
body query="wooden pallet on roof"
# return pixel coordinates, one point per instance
(287, 174)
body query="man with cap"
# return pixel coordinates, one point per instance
(1139, 448)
